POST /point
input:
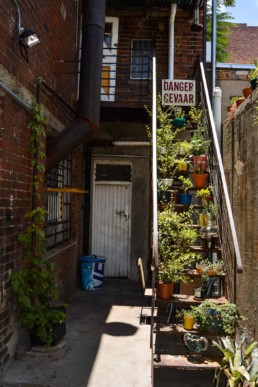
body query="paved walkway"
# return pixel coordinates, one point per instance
(107, 346)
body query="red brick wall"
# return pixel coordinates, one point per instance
(58, 42)
(242, 48)
(188, 44)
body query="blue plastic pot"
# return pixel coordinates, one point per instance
(185, 199)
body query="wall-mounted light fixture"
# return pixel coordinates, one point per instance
(196, 25)
(26, 37)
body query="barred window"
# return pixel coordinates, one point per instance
(58, 203)
(141, 59)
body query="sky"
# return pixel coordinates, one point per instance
(245, 11)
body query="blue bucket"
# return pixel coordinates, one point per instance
(92, 272)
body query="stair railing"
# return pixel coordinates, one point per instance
(229, 243)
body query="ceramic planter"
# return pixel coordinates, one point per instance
(196, 345)
(179, 122)
(181, 166)
(167, 182)
(165, 290)
(164, 197)
(188, 322)
(185, 199)
(200, 179)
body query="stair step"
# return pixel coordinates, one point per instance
(202, 249)
(183, 299)
(181, 362)
(178, 329)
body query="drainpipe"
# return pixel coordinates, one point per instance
(172, 16)
(213, 47)
(87, 121)
(217, 96)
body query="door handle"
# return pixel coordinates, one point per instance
(123, 213)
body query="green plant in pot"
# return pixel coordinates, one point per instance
(34, 283)
(239, 363)
(253, 76)
(164, 194)
(185, 198)
(183, 155)
(217, 318)
(179, 117)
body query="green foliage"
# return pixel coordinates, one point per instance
(239, 362)
(204, 192)
(167, 148)
(254, 72)
(218, 318)
(186, 183)
(33, 284)
(175, 236)
(224, 25)
(178, 112)
(234, 99)
(199, 144)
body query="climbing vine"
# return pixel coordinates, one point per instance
(33, 284)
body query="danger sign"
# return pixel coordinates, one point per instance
(178, 92)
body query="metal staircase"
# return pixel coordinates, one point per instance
(169, 351)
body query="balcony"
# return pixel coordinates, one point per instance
(126, 77)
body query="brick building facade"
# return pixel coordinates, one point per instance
(55, 60)
(54, 23)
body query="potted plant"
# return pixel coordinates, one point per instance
(253, 76)
(205, 194)
(183, 154)
(164, 194)
(174, 239)
(239, 363)
(200, 176)
(217, 318)
(179, 117)
(34, 283)
(185, 198)
(165, 282)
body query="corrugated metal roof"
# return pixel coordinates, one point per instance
(153, 3)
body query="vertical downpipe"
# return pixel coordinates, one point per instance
(213, 47)
(171, 60)
(217, 95)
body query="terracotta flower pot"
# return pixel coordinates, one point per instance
(200, 180)
(247, 91)
(165, 290)
(239, 101)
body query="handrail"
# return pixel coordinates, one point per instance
(239, 265)
(154, 264)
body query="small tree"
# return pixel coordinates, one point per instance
(224, 25)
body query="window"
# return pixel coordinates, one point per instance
(141, 59)
(108, 34)
(58, 203)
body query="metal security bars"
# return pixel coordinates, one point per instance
(58, 204)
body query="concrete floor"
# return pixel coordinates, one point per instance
(107, 346)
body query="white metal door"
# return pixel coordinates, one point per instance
(111, 225)
(108, 84)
